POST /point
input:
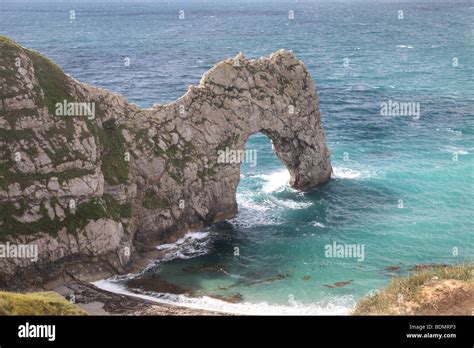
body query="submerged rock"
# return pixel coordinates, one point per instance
(234, 298)
(155, 284)
(206, 268)
(338, 284)
(392, 268)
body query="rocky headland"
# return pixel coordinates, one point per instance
(94, 183)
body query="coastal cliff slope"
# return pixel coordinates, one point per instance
(93, 181)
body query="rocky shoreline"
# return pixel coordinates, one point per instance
(429, 290)
(95, 301)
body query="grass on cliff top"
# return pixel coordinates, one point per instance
(5, 41)
(37, 303)
(51, 79)
(385, 301)
(54, 87)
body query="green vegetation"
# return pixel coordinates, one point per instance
(152, 201)
(206, 173)
(51, 79)
(10, 137)
(60, 139)
(11, 226)
(13, 115)
(37, 303)
(9, 43)
(54, 86)
(8, 70)
(94, 209)
(115, 210)
(8, 177)
(230, 142)
(16, 135)
(177, 157)
(143, 141)
(114, 165)
(386, 301)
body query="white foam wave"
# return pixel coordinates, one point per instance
(255, 209)
(192, 244)
(188, 236)
(457, 150)
(253, 214)
(348, 173)
(454, 132)
(290, 204)
(345, 173)
(276, 181)
(246, 202)
(318, 224)
(334, 306)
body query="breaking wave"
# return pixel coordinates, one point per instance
(348, 173)
(192, 244)
(276, 181)
(340, 305)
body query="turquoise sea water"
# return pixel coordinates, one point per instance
(381, 163)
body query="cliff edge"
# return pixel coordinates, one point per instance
(428, 290)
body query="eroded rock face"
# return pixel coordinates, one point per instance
(235, 99)
(129, 178)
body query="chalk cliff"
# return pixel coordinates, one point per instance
(93, 191)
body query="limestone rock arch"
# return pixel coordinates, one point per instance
(235, 99)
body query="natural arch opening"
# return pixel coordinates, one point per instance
(261, 162)
(198, 141)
